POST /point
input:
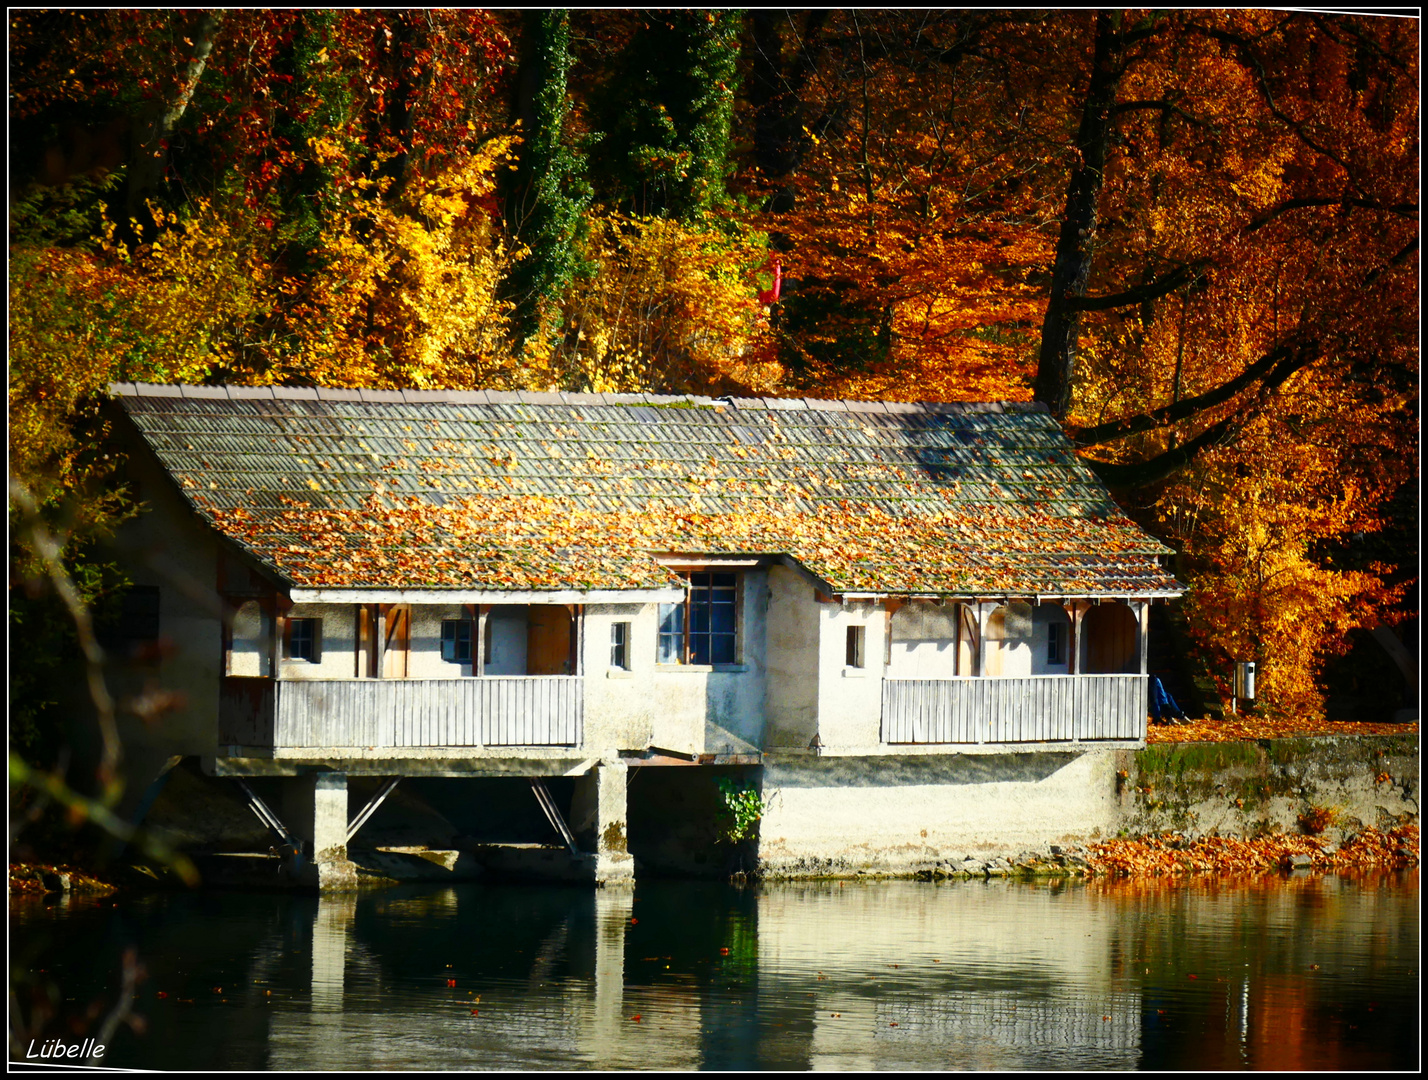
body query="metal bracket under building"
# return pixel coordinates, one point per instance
(371, 808)
(552, 814)
(265, 815)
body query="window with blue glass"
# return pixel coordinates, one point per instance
(304, 640)
(456, 638)
(704, 628)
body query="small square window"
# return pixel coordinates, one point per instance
(857, 635)
(456, 638)
(132, 623)
(1055, 643)
(304, 640)
(620, 646)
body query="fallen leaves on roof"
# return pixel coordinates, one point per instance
(530, 496)
(532, 542)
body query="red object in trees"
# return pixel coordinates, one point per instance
(770, 296)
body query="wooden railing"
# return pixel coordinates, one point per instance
(537, 710)
(1041, 709)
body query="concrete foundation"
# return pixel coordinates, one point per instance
(899, 815)
(896, 815)
(599, 821)
(315, 809)
(903, 815)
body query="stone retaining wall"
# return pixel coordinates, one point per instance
(909, 816)
(1339, 783)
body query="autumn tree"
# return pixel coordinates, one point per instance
(547, 193)
(1235, 282)
(906, 203)
(665, 112)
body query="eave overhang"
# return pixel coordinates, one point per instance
(671, 595)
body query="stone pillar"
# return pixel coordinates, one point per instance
(315, 808)
(598, 821)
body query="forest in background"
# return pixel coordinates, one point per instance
(1193, 234)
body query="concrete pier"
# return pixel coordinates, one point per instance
(315, 809)
(599, 821)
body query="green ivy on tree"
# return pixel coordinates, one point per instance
(548, 195)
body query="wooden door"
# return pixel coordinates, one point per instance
(1110, 631)
(396, 640)
(548, 640)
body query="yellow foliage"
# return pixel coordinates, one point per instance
(670, 308)
(406, 293)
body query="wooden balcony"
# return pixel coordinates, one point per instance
(1037, 709)
(541, 710)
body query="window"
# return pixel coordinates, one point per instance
(620, 645)
(456, 638)
(856, 637)
(703, 629)
(304, 640)
(1056, 643)
(129, 628)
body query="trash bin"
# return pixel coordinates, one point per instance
(1244, 679)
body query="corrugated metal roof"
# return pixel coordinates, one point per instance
(491, 490)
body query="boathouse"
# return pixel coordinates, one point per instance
(429, 583)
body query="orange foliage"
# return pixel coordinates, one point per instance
(1239, 729)
(1171, 853)
(669, 309)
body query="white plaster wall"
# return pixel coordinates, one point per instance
(620, 711)
(850, 699)
(1042, 617)
(794, 644)
(337, 656)
(424, 660)
(923, 642)
(167, 547)
(250, 648)
(719, 711)
(507, 627)
(896, 812)
(1013, 643)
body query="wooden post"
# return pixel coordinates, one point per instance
(279, 625)
(1077, 611)
(379, 640)
(1142, 618)
(483, 616)
(984, 617)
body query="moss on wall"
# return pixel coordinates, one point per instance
(1254, 788)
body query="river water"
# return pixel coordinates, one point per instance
(1302, 972)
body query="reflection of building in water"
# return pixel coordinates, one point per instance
(568, 1006)
(1079, 1029)
(1024, 976)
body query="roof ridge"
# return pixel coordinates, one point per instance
(531, 397)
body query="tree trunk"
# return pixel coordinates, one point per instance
(1076, 246)
(774, 94)
(151, 153)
